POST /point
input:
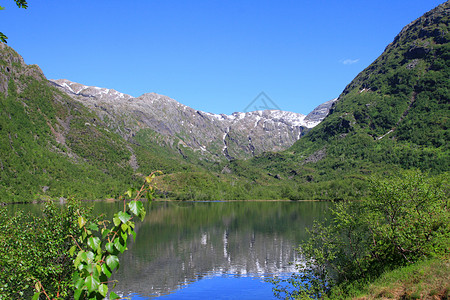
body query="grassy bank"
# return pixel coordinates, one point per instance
(429, 279)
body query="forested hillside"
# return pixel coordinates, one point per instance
(393, 115)
(52, 146)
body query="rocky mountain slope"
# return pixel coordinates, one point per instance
(52, 145)
(67, 139)
(404, 94)
(63, 139)
(211, 136)
(393, 115)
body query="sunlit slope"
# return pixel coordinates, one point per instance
(52, 146)
(394, 114)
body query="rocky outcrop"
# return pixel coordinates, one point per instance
(417, 42)
(13, 66)
(319, 113)
(239, 135)
(212, 136)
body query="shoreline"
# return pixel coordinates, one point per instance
(167, 200)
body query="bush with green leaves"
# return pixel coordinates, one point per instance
(405, 220)
(34, 251)
(98, 246)
(65, 253)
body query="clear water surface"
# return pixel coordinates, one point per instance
(211, 250)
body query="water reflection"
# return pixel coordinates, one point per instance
(180, 243)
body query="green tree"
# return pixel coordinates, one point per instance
(66, 253)
(34, 251)
(406, 219)
(20, 4)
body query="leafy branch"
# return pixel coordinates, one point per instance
(96, 250)
(20, 4)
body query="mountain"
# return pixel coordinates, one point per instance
(212, 136)
(406, 88)
(59, 139)
(66, 139)
(319, 113)
(403, 96)
(393, 115)
(53, 146)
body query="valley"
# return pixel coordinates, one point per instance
(378, 155)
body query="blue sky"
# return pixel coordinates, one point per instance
(215, 56)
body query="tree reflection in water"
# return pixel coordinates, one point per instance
(182, 242)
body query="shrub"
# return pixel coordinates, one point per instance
(406, 218)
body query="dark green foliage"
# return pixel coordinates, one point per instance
(37, 153)
(35, 250)
(154, 156)
(392, 116)
(405, 219)
(65, 253)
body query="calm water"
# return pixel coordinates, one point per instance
(212, 250)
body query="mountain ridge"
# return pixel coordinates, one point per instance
(239, 135)
(392, 116)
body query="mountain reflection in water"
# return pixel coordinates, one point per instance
(180, 242)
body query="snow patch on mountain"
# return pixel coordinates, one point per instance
(239, 135)
(80, 89)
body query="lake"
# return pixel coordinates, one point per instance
(211, 250)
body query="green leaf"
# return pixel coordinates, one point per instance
(149, 196)
(99, 270)
(81, 221)
(129, 193)
(134, 235)
(106, 270)
(90, 256)
(142, 214)
(79, 284)
(77, 294)
(112, 261)
(124, 227)
(105, 232)
(135, 207)
(113, 296)
(116, 221)
(124, 236)
(89, 268)
(72, 250)
(93, 226)
(123, 216)
(92, 283)
(119, 245)
(109, 247)
(77, 261)
(36, 296)
(82, 256)
(94, 243)
(103, 289)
